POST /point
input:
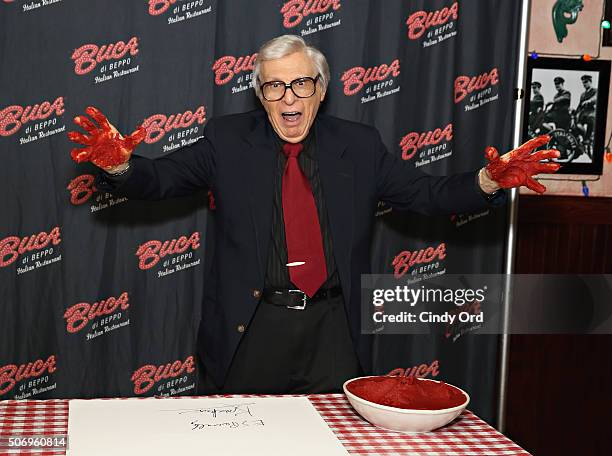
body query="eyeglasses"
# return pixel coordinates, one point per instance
(302, 88)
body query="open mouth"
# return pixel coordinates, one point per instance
(292, 116)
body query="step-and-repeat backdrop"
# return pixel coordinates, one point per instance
(101, 296)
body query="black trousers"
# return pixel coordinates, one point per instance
(291, 351)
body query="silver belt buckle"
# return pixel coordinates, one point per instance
(304, 297)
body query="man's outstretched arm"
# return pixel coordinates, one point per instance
(406, 188)
(180, 173)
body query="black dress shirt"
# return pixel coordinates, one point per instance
(277, 273)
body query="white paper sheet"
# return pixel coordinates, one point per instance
(228, 426)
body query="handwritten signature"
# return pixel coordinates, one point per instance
(214, 412)
(228, 424)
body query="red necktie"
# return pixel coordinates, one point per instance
(302, 228)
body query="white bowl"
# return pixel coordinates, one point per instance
(403, 420)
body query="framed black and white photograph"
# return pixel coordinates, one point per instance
(568, 100)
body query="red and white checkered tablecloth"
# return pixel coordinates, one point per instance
(468, 435)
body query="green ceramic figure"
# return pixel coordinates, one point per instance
(565, 12)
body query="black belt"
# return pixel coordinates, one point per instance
(297, 299)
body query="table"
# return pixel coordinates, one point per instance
(467, 435)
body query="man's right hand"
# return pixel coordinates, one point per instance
(105, 146)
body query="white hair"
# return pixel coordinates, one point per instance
(285, 45)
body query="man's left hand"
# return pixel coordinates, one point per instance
(517, 167)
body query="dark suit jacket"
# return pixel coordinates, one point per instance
(236, 158)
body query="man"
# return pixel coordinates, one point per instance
(536, 104)
(295, 196)
(559, 112)
(537, 101)
(586, 107)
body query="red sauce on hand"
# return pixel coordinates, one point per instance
(105, 146)
(407, 392)
(517, 166)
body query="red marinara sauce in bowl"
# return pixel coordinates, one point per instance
(405, 404)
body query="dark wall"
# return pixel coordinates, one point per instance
(559, 397)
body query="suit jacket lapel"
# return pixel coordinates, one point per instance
(336, 174)
(260, 159)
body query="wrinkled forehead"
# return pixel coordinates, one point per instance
(288, 68)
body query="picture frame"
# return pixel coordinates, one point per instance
(568, 100)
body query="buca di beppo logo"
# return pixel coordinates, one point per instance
(157, 7)
(147, 376)
(414, 141)
(152, 251)
(12, 118)
(79, 315)
(465, 85)
(407, 259)
(421, 371)
(420, 21)
(82, 188)
(11, 374)
(187, 9)
(294, 11)
(228, 66)
(158, 125)
(88, 56)
(356, 78)
(29, 6)
(13, 246)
